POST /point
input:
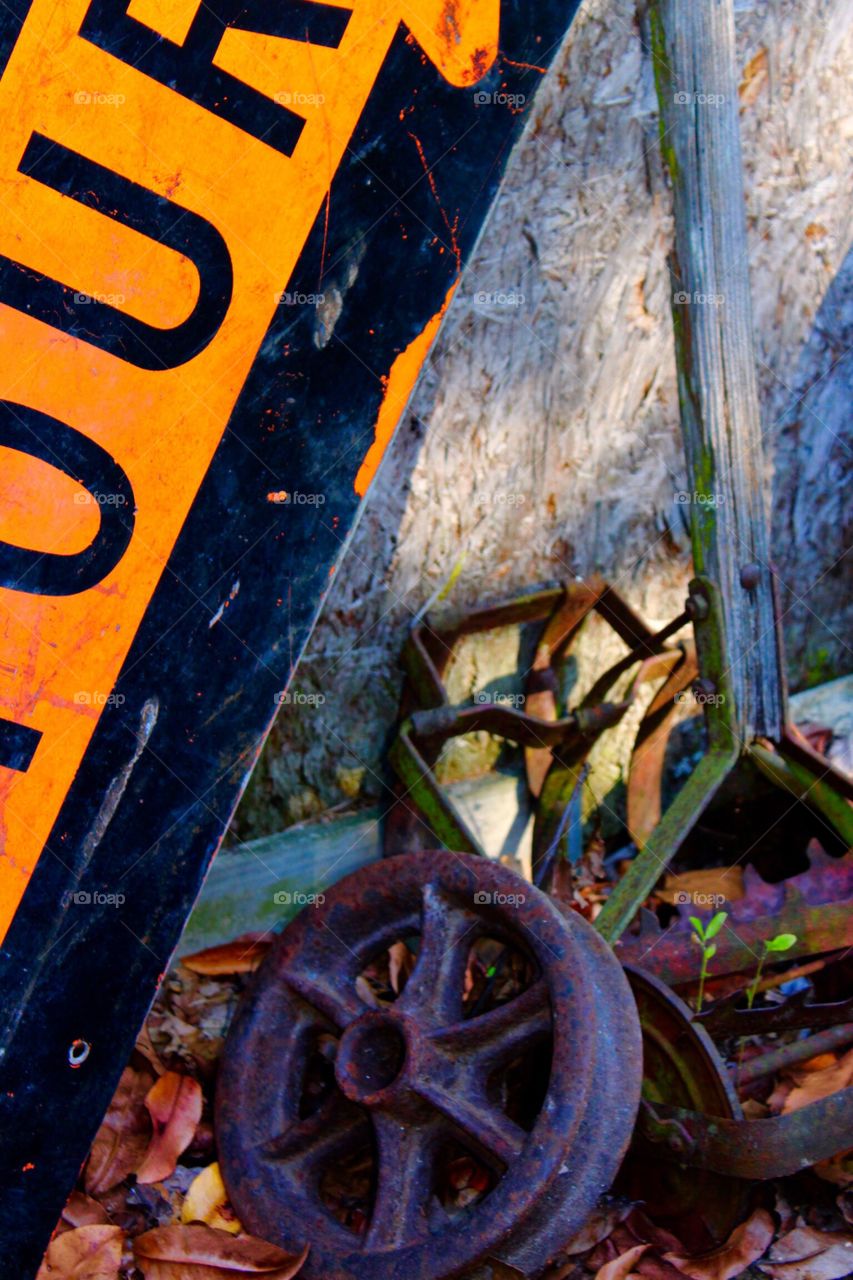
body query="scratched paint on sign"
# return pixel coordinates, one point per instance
(142, 256)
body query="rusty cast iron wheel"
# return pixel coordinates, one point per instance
(408, 1081)
(681, 1067)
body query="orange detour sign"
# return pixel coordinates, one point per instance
(228, 234)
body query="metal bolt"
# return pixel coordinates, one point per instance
(750, 576)
(697, 607)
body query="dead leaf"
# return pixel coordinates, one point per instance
(401, 962)
(242, 955)
(755, 77)
(174, 1104)
(838, 1169)
(87, 1253)
(123, 1137)
(814, 1085)
(201, 1253)
(808, 1254)
(207, 1201)
(745, 1245)
(82, 1211)
(621, 1268)
(598, 1226)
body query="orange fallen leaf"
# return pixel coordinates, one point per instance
(819, 1063)
(174, 1104)
(207, 1201)
(808, 1254)
(746, 1244)
(87, 1253)
(401, 962)
(82, 1211)
(241, 955)
(623, 1266)
(123, 1137)
(201, 1253)
(814, 1085)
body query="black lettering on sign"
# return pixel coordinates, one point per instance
(54, 442)
(188, 68)
(18, 744)
(163, 220)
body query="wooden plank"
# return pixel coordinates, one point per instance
(693, 51)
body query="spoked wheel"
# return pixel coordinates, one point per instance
(533, 1081)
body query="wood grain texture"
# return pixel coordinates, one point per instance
(567, 404)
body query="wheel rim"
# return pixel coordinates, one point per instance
(413, 1076)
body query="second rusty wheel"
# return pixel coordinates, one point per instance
(316, 1083)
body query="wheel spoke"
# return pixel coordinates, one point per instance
(489, 1128)
(501, 1033)
(341, 1005)
(330, 1132)
(404, 1154)
(434, 990)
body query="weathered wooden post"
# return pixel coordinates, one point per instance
(692, 45)
(693, 52)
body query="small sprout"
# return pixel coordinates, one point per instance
(702, 934)
(782, 942)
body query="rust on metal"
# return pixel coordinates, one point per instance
(681, 1067)
(405, 1079)
(816, 905)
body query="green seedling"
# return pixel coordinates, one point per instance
(702, 934)
(782, 942)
